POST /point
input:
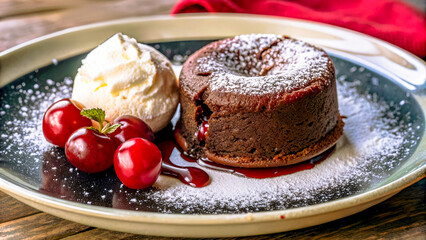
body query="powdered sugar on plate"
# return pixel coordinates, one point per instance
(23, 106)
(377, 138)
(258, 64)
(370, 147)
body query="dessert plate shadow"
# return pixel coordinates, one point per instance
(382, 92)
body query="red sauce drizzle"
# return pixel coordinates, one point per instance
(192, 176)
(198, 178)
(202, 131)
(261, 173)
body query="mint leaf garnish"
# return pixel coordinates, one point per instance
(94, 129)
(95, 114)
(98, 115)
(110, 128)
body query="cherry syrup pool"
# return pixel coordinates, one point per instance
(196, 177)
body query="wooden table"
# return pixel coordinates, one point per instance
(401, 217)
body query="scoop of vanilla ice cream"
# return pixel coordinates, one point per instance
(122, 77)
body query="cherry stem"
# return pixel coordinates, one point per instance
(102, 127)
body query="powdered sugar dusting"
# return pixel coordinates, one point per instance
(24, 107)
(378, 137)
(370, 146)
(259, 64)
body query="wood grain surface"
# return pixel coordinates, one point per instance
(22, 20)
(400, 217)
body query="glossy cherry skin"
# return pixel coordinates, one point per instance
(137, 163)
(89, 151)
(61, 119)
(131, 127)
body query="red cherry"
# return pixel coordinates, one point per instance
(89, 151)
(137, 163)
(131, 127)
(62, 119)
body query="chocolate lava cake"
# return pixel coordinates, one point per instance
(257, 101)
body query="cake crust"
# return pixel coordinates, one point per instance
(278, 160)
(264, 104)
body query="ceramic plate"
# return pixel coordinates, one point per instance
(381, 92)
